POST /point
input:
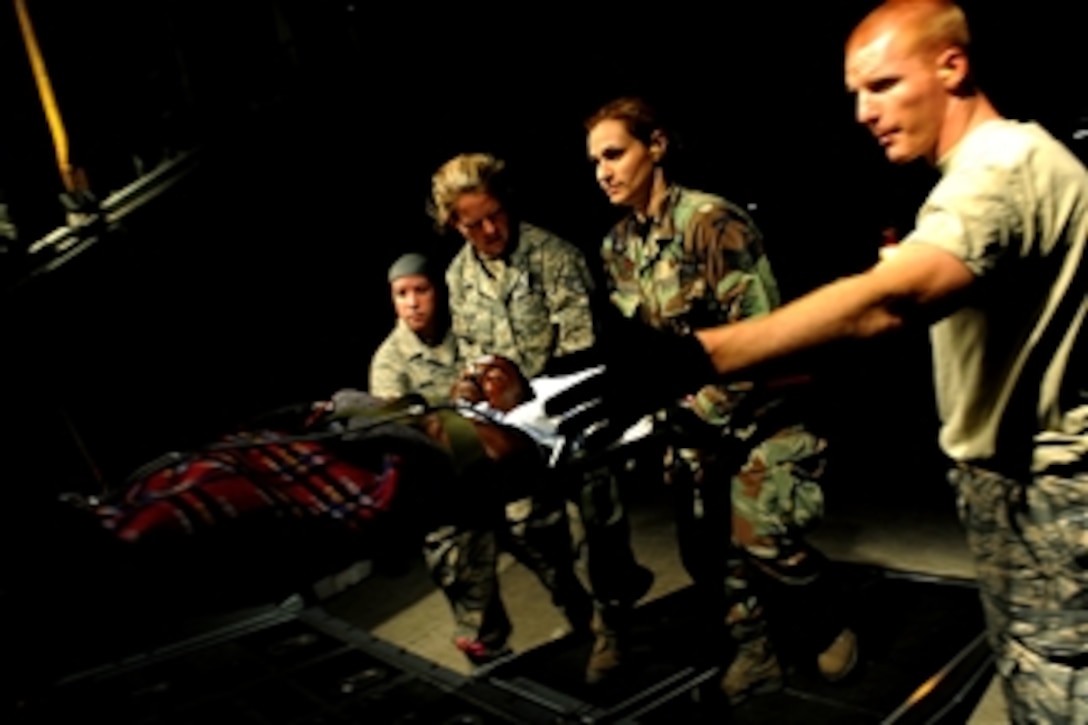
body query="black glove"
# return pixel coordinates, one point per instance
(681, 426)
(644, 370)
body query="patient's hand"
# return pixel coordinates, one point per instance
(466, 390)
(318, 412)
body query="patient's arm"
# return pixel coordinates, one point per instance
(502, 442)
(496, 441)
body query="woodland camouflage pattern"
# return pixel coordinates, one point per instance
(700, 264)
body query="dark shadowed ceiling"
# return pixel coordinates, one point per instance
(260, 281)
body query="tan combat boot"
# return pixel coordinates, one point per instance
(607, 653)
(754, 671)
(840, 657)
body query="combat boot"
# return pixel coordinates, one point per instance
(840, 657)
(754, 671)
(611, 640)
(609, 650)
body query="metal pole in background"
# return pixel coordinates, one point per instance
(73, 179)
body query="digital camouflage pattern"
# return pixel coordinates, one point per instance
(1030, 544)
(463, 563)
(405, 364)
(472, 523)
(529, 307)
(702, 263)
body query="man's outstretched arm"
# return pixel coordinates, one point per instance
(648, 368)
(916, 282)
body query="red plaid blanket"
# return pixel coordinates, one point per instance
(264, 473)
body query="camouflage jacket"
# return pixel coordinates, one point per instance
(699, 264)
(536, 307)
(404, 364)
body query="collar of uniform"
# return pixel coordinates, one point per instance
(409, 342)
(662, 222)
(509, 258)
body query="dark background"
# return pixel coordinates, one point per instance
(259, 281)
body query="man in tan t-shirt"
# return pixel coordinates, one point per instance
(995, 264)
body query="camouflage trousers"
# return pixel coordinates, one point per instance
(463, 563)
(611, 567)
(738, 540)
(1030, 544)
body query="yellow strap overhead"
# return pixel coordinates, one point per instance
(49, 101)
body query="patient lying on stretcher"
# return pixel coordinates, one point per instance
(266, 511)
(492, 393)
(358, 460)
(351, 462)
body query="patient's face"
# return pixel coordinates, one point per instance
(494, 379)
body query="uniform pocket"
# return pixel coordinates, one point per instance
(781, 478)
(1030, 542)
(1057, 523)
(464, 324)
(530, 327)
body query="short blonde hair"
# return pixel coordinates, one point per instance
(463, 174)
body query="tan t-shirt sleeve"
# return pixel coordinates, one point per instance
(971, 213)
